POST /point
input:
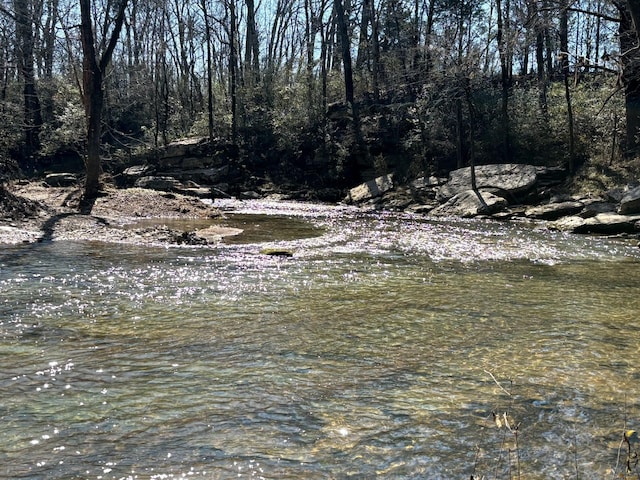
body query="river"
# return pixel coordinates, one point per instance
(387, 347)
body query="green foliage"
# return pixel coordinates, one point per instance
(66, 130)
(11, 134)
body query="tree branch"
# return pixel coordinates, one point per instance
(602, 16)
(115, 34)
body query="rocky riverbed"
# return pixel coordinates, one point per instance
(33, 211)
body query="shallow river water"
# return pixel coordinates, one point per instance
(384, 347)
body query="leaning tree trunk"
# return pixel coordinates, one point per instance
(233, 72)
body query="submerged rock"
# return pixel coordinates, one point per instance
(277, 252)
(216, 233)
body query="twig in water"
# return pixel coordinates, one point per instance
(497, 382)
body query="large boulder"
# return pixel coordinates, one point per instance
(567, 224)
(630, 202)
(470, 204)
(193, 151)
(507, 179)
(371, 189)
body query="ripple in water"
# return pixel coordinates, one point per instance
(370, 353)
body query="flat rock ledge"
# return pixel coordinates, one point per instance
(602, 223)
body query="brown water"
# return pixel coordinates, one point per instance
(370, 353)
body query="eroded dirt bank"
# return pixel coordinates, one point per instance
(33, 212)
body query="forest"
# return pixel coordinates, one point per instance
(320, 92)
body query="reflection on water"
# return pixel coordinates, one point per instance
(370, 353)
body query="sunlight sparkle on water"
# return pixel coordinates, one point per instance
(365, 353)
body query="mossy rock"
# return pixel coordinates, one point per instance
(277, 252)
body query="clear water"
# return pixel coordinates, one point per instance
(380, 349)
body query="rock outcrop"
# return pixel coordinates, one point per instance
(507, 191)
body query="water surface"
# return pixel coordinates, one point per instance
(380, 349)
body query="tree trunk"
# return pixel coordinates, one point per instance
(363, 55)
(310, 34)
(564, 49)
(630, 58)
(93, 109)
(32, 110)
(233, 72)
(542, 73)
(460, 154)
(346, 50)
(428, 34)
(547, 21)
(375, 42)
(93, 69)
(207, 29)
(252, 50)
(351, 170)
(505, 76)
